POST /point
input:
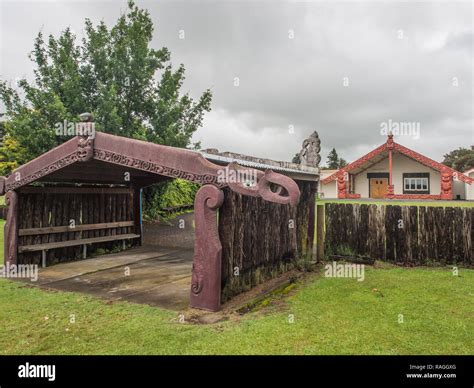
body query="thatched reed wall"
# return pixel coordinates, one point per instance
(54, 209)
(260, 240)
(403, 235)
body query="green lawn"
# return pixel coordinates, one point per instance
(331, 316)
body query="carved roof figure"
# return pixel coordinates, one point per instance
(309, 154)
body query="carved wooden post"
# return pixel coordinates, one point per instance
(341, 184)
(446, 184)
(11, 228)
(137, 213)
(310, 238)
(207, 261)
(320, 233)
(309, 156)
(390, 146)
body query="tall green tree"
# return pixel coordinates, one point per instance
(461, 159)
(333, 160)
(130, 88)
(342, 163)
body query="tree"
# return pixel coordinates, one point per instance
(461, 159)
(333, 160)
(112, 74)
(342, 163)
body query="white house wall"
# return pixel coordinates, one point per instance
(329, 190)
(470, 188)
(400, 164)
(459, 188)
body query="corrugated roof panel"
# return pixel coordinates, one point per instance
(257, 165)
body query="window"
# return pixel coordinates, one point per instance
(415, 184)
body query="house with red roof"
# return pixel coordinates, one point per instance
(393, 171)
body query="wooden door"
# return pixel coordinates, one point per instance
(378, 187)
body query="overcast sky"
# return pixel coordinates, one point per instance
(342, 69)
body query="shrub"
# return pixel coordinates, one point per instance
(166, 200)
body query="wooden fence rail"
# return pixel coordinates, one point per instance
(405, 235)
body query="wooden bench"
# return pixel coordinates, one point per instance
(44, 247)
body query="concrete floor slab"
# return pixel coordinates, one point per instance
(151, 275)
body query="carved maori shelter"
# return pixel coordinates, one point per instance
(85, 194)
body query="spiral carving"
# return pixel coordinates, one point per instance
(206, 275)
(286, 191)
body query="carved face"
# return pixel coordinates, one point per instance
(341, 182)
(85, 149)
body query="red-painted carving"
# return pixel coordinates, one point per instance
(287, 191)
(139, 164)
(341, 185)
(413, 196)
(270, 186)
(352, 196)
(446, 184)
(390, 142)
(13, 183)
(390, 191)
(206, 276)
(431, 163)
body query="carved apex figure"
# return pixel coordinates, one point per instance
(85, 146)
(309, 154)
(85, 149)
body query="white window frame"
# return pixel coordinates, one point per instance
(413, 184)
